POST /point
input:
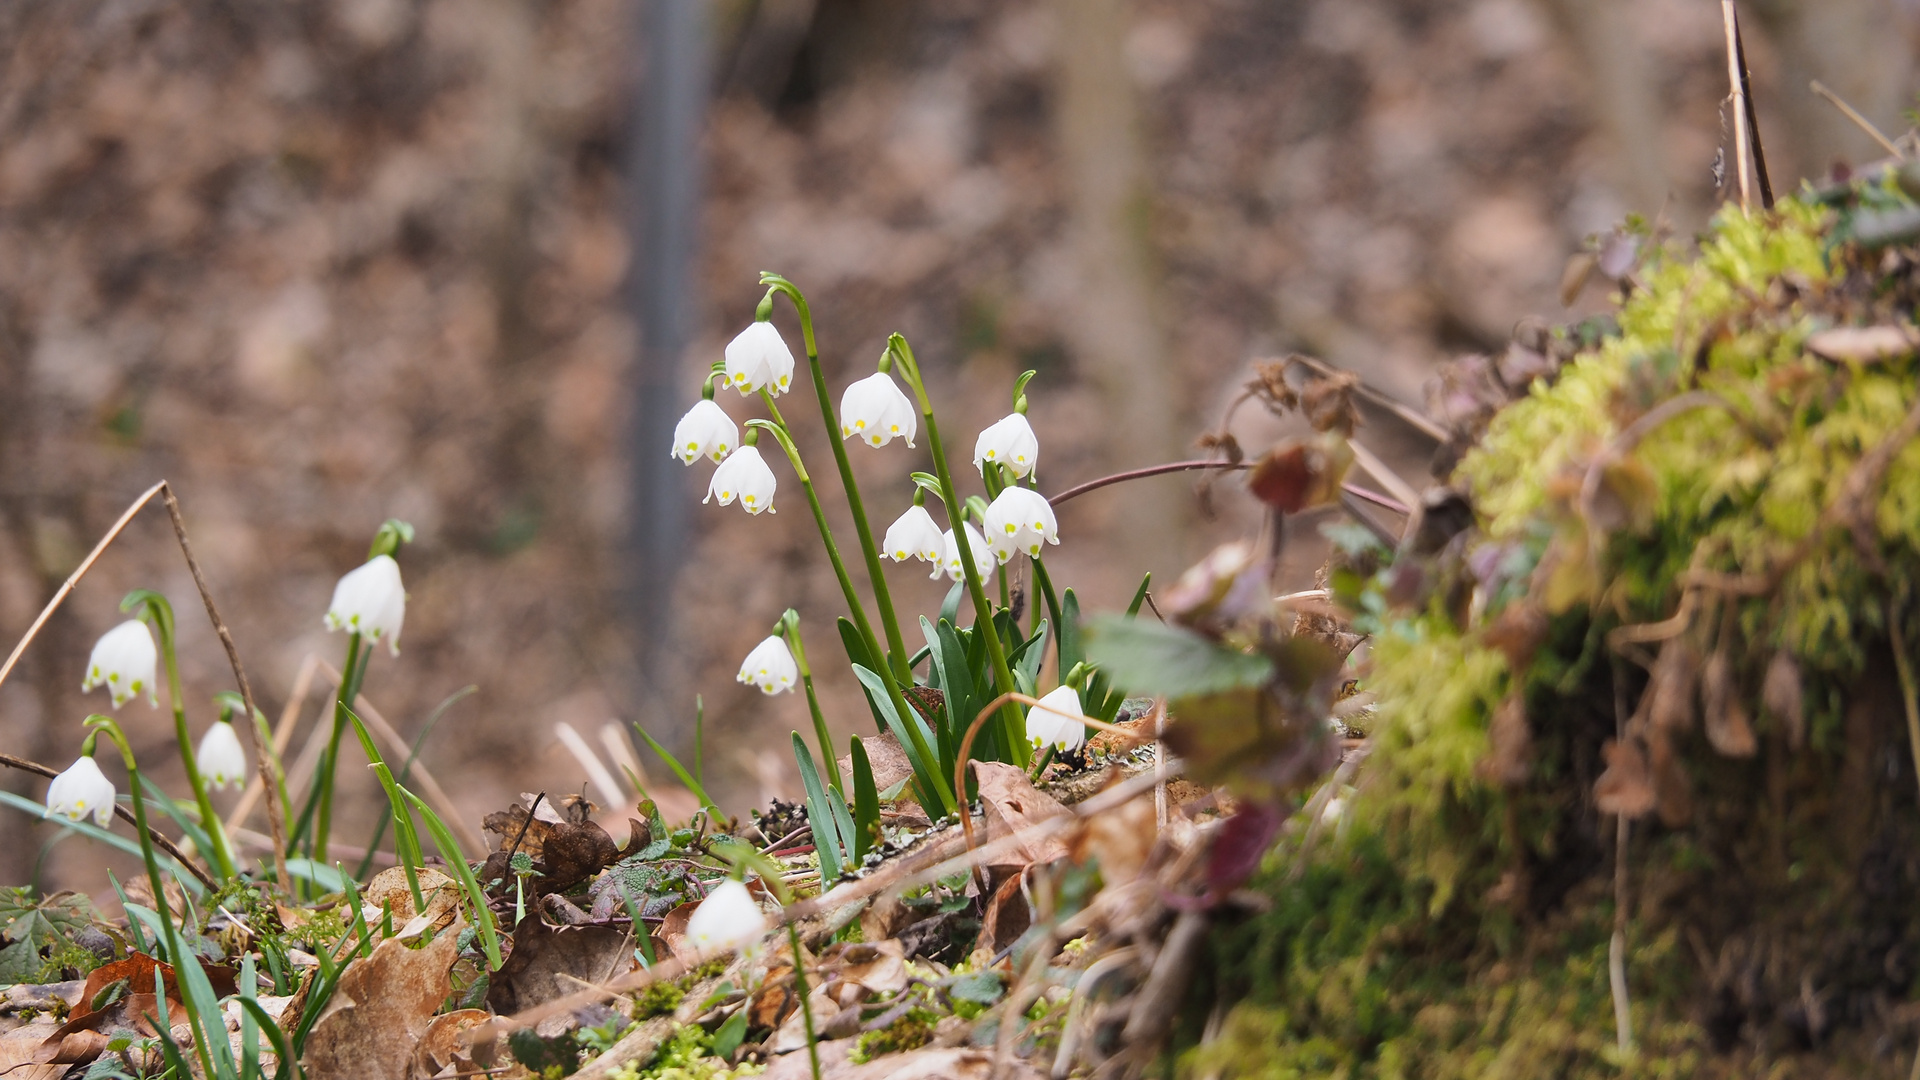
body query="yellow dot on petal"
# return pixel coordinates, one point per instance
(726, 494)
(1010, 528)
(876, 440)
(991, 453)
(693, 446)
(896, 429)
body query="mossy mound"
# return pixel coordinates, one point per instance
(1691, 549)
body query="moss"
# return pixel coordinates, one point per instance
(687, 1054)
(1458, 928)
(656, 999)
(910, 1032)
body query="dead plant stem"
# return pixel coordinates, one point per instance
(1909, 691)
(1860, 121)
(1737, 95)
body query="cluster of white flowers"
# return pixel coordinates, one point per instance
(756, 358)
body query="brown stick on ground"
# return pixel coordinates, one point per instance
(276, 815)
(123, 814)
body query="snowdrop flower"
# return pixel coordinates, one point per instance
(123, 661)
(1057, 720)
(727, 919)
(1009, 442)
(877, 410)
(83, 789)
(759, 357)
(914, 536)
(370, 601)
(706, 431)
(220, 758)
(1021, 519)
(744, 476)
(769, 666)
(950, 555)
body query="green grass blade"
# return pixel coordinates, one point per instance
(866, 803)
(406, 842)
(450, 851)
(910, 733)
(1140, 595)
(826, 829)
(679, 770)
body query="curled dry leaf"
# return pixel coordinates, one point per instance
(1298, 473)
(1510, 743)
(1328, 402)
(1625, 787)
(1012, 804)
(1784, 698)
(443, 1045)
(389, 888)
(1728, 728)
(1672, 790)
(1676, 674)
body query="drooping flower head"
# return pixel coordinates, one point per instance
(877, 410)
(706, 431)
(220, 758)
(727, 919)
(1009, 441)
(123, 661)
(769, 666)
(914, 536)
(1058, 721)
(83, 789)
(950, 555)
(758, 356)
(370, 601)
(746, 476)
(1021, 519)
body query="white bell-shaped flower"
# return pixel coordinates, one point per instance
(220, 758)
(914, 536)
(706, 431)
(877, 410)
(769, 666)
(83, 789)
(746, 476)
(371, 602)
(759, 357)
(1009, 441)
(1057, 721)
(727, 919)
(950, 555)
(1021, 519)
(123, 661)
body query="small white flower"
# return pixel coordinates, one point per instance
(950, 555)
(727, 919)
(371, 602)
(1009, 441)
(1058, 721)
(744, 476)
(83, 789)
(123, 661)
(1021, 519)
(706, 431)
(914, 536)
(220, 758)
(877, 410)
(759, 357)
(769, 666)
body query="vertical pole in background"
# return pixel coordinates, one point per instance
(664, 209)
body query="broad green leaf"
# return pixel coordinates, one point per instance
(1149, 657)
(826, 828)
(866, 802)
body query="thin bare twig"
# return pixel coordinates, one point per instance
(1205, 463)
(1753, 120)
(1909, 690)
(1737, 94)
(1397, 487)
(1862, 122)
(282, 735)
(1414, 418)
(123, 814)
(73, 579)
(276, 815)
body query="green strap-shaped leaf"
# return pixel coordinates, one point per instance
(679, 771)
(450, 851)
(866, 803)
(826, 830)
(911, 734)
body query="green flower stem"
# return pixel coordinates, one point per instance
(778, 427)
(1045, 583)
(897, 654)
(161, 615)
(175, 950)
(956, 519)
(790, 627)
(348, 689)
(806, 1006)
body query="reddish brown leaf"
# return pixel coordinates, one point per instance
(1243, 841)
(1728, 728)
(1783, 697)
(1624, 788)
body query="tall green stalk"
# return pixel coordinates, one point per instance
(790, 629)
(897, 654)
(349, 688)
(159, 612)
(898, 348)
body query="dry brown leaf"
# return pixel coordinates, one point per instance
(1676, 674)
(28, 1044)
(889, 762)
(1728, 728)
(1510, 743)
(381, 1007)
(673, 928)
(1119, 840)
(1624, 788)
(1784, 698)
(1008, 915)
(544, 958)
(389, 887)
(1672, 789)
(1011, 804)
(442, 1044)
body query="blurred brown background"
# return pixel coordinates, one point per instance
(321, 263)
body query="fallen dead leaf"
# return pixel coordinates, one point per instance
(1119, 840)
(26, 1045)
(889, 762)
(542, 955)
(389, 887)
(1011, 804)
(381, 1008)
(1624, 788)
(441, 1044)
(1865, 344)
